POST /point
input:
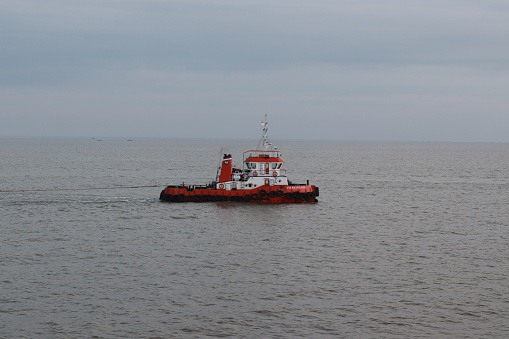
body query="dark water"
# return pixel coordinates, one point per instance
(406, 241)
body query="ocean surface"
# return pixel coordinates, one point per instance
(408, 240)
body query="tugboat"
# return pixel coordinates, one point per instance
(261, 179)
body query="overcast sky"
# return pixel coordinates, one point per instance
(395, 70)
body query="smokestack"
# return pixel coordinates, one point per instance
(226, 168)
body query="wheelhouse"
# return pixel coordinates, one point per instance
(263, 163)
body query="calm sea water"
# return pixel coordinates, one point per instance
(407, 240)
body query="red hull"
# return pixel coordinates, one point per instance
(264, 194)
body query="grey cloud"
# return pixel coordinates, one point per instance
(250, 36)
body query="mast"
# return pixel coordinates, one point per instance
(220, 161)
(265, 136)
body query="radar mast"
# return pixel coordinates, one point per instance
(267, 145)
